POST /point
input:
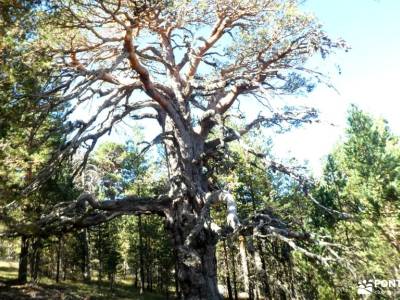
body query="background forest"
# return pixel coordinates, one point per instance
(361, 177)
(349, 216)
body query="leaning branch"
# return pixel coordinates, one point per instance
(84, 212)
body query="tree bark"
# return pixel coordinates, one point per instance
(197, 267)
(23, 260)
(24, 254)
(262, 270)
(141, 259)
(58, 259)
(233, 259)
(176, 278)
(100, 253)
(86, 268)
(245, 268)
(196, 258)
(259, 273)
(35, 260)
(228, 276)
(149, 262)
(64, 270)
(136, 278)
(194, 243)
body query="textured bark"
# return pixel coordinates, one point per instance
(198, 268)
(194, 243)
(23, 260)
(86, 256)
(245, 268)
(100, 254)
(258, 274)
(261, 282)
(233, 259)
(59, 245)
(196, 258)
(176, 278)
(136, 284)
(35, 259)
(261, 269)
(64, 270)
(141, 259)
(228, 276)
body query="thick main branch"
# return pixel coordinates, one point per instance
(67, 216)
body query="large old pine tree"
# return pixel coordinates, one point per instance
(193, 67)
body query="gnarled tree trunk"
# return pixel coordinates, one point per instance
(197, 265)
(194, 242)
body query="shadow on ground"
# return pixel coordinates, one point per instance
(10, 290)
(47, 289)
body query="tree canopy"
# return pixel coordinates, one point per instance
(193, 68)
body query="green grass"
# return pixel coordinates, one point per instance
(66, 290)
(8, 270)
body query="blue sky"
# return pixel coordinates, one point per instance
(369, 75)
